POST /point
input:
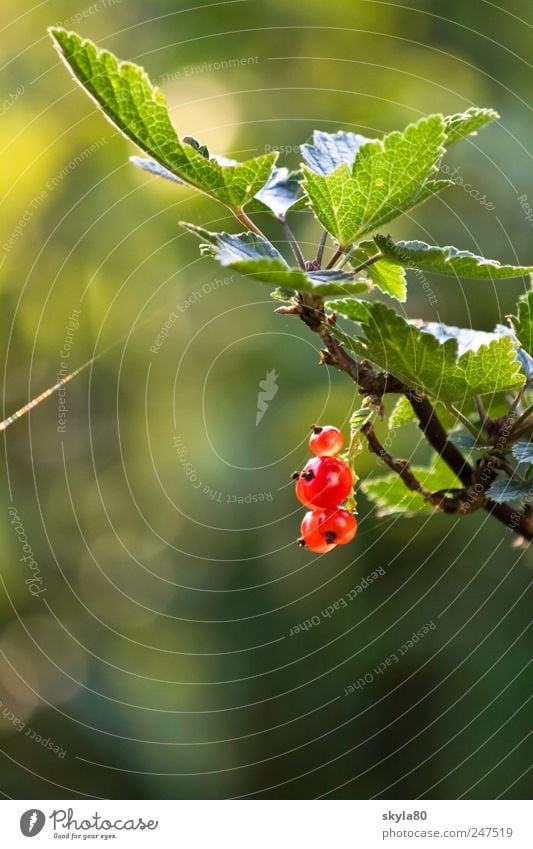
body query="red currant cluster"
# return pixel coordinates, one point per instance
(324, 483)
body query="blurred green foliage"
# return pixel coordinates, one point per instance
(159, 657)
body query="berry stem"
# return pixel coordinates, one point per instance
(442, 501)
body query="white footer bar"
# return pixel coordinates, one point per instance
(268, 824)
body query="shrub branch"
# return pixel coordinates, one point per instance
(374, 383)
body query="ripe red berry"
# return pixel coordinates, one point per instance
(325, 441)
(329, 527)
(311, 537)
(324, 483)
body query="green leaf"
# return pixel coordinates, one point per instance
(358, 418)
(388, 177)
(523, 322)
(139, 110)
(329, 150)
(523, 452)
(154, 167)
(418, 359)
(391, 495)
(505, 489)
(448, 363)
(387, 276)
(351, 308)
(466, 441)
(526, 361)
(467, 123)
(281, 294)
(446, 260)
(470, 340)
(255, 257)
(402, 413)
(467, 339)
(278, 194)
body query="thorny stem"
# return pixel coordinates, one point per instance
(293, 243)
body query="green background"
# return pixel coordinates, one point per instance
(159, 659)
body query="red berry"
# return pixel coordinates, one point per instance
(330, 527)
(325, 441)
(311, 538)
(324, 483)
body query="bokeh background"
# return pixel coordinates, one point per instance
(158, 658)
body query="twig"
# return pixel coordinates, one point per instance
(439, 500)
(482, 413)
(370, 261)
(338, 253)
(377, 383)
(241, 216)
(462, 418)
(520, 393)
(432, 428)
(522, 418)
(372, 382)
(320, 250)
(401, 467)
(437, 437)
(293, 243)
(528, 426)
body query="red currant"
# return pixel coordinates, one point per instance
(311, 538)
(329, 527)
(325, 441)
(324, 483)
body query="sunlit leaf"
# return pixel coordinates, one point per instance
(387, 276)
(422, 362)
(390, 495)
(139, 110)
(448, 260)
(329, 150)
(279, 193)
(256, 257)
(523, 322)
(467, 123)
(388, 176)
